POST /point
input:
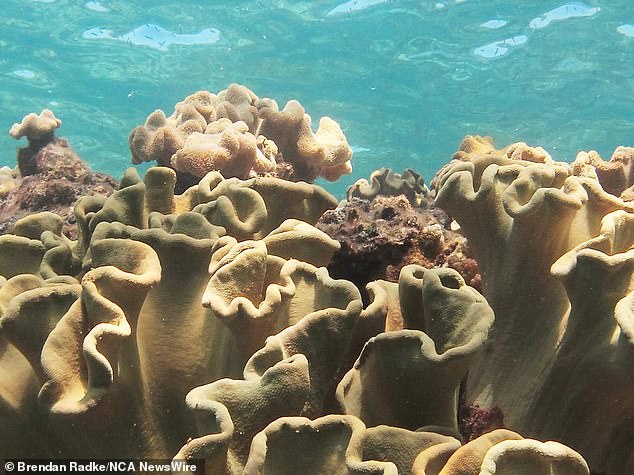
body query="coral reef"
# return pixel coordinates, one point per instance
(390, 223)
(49, 177)
(241, 135)
(554, 252)
(203, 323)
(225, 321)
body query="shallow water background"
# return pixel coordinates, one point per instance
(405, 79)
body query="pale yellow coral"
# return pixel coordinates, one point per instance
(36, 127)
(240, 135)
(324, 153)
(225, 146)
(446, 324)
(521, 218)
(616, 175)
(501, 452)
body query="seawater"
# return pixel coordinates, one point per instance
(405, 79)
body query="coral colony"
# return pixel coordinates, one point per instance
(224, 308)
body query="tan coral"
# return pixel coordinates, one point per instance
(140, 244)
(593, 364)
(522, 151)
(616, 175)
(407, 364)
(386, 182)
(336, 445)
(36, 127)
(520, 219)
(253, 208)
(258, 295)
(133, 364)
(500, 452)
(225, 146)
(243, 131)
(474, 145)
(324, 153)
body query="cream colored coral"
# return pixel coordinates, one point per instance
(8, 180)
(225, 146)
(616, 175)
(240, 135)
(335, 445)
(521, 218)
(501, 452)
(36, 127)
(324, 153)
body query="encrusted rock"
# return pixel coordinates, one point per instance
(50, 177)
(379, 237)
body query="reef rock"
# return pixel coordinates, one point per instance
(380, 234)
(50, 176)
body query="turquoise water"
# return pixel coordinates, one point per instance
(405, 79)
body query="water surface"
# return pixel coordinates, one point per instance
(405, 79)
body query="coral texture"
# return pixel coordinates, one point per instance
(112, 336)
(616, 175)
(501, 452)
(553, 250)
(211, 324)
(386, 182)
(36, 127)
(203, 323)
(241, 135)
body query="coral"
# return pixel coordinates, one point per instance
(409, 376)
(476, 145)
(50, 176)
(498, 452)
(336, 444)
(35, 127)
(381, 233)
(114, 337)
(225, 146)
(241, 135)
(525, 222)
(203, 325)
(616, 175)
(385, 182)
(325, 153)
(593, 364)
(94, 327)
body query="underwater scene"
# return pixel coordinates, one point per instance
(317, 237)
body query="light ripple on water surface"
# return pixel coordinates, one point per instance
(406, 79)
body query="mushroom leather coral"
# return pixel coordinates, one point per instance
(409, 377)
(593, 366)
(239, 134)
(520, 217)
(36, 127)
(336, 445)
(118, 339)
(386, 182)
(501, 452)
(185, 325)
